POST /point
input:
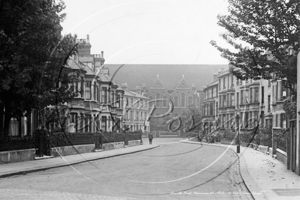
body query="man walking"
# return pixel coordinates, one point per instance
(150, 136)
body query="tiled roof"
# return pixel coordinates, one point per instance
(72, 64)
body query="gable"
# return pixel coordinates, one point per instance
(157, 85)
(183, 85)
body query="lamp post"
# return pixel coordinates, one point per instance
(238, 133)
(298, 117)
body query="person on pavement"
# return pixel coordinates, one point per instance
(150, 136)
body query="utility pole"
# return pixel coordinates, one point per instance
(298, 117)
(238, 133)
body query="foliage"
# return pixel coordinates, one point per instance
(261, 33)
(290, 107)
(32, 55)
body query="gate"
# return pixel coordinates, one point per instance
(293, 139)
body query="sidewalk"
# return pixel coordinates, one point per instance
(11, 169)
(266, 177)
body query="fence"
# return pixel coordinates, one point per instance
(246, 136)
(16, 143)
(42, 140)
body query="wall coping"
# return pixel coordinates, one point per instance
(281, 151)
(19, 150)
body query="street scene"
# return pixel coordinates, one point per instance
(172, 171)
(149, 99)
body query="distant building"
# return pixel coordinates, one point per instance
(135, 110)
(161, 83)
(210, 105)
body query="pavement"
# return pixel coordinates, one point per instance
(264, 176)
(17, 168)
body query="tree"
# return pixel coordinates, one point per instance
(32, 55)
(261, 33)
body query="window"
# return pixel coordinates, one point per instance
(282, 120)
(88, 90)
(74, 119)
(95, 91)
(150, 101)
(104, 95)
(88, 123)
(224, 86)
(256, 94)
(276, 93)
(269, 103)
(157, 96)
(112, 97)
(165, 101)
(82, 87)
(183, 100)
(214, 92)
(251, 96)
(211, 109)
(104, 123)
(237, 100)
(232, 99)
(176, 101)
(190, 100)
(262, 94)
(118, 101)
(242, 97)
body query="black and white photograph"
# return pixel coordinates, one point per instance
(149, 99)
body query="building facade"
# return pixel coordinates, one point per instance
(135, 111)
(210, 110)
(179, 100)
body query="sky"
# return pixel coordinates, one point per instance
(149, 31)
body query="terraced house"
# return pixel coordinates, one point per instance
(255, 102)
(100, 104)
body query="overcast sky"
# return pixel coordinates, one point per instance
(149, 31)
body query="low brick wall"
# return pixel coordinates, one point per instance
(69, 150)
(134, 143)
(17, 155)
(114, 145)
(281, 156)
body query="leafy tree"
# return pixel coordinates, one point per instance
(32, 55)
(261, 33)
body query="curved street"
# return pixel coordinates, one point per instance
(172, 171)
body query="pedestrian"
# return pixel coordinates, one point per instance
(150, 136)
(200, 136)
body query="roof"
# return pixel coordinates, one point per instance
(72, 64)
(169, 74)
(133, 94)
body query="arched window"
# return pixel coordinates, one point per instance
(190, 100)
(95, 91)
(183, 100)
(157, 102)
(176, 101)
(150, 101)
(164, 101)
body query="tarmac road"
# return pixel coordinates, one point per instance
(172, 171)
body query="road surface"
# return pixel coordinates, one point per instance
(175, 170)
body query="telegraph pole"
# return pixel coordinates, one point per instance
(238, 133)
(298, 117)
